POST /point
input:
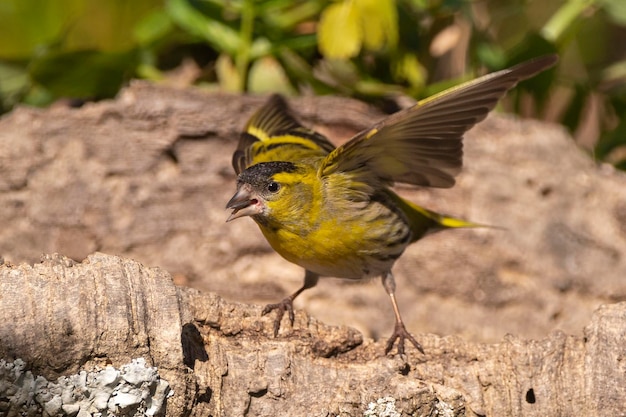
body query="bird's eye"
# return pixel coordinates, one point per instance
(273, 187)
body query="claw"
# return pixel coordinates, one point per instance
(285, 305)
(400, 333)
(310, 279)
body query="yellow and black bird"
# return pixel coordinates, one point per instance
(330, 210)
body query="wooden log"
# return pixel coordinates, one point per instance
(220, 358)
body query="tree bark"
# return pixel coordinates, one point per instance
(221, 359)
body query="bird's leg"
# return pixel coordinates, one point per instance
(310, 280)
(400, 332)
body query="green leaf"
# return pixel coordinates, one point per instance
(615, 72)
(407, 67)
(610, 141)
(267, 75)
(13, 78)
(39, 96)
(14, 82)
(373, 88)
(346, 27)
(577, 103)
(260, 47)
(379, 23)
(564, 18)
(149, 72)
(339, 32)
(285, 15)
(300, 71)
(616, 9)
(219, 35)
(296, 43)
(227, 74)
(83, 74)
(341, 73)
(27, 25)
(490, 55)
(152, 27)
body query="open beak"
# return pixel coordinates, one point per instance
(244, 203)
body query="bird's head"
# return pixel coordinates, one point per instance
(269, 190)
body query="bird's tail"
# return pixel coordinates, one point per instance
(443, 221)
(424, 221)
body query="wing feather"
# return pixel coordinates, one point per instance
(274, 121)
(422, 145)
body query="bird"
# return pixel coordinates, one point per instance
(332, 211)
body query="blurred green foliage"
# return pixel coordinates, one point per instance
(370, 49)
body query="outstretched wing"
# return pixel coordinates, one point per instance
(422, 145)
(274, 122)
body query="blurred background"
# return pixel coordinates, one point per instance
(374, 50)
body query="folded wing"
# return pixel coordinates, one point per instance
(274, 122)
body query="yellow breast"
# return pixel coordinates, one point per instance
(344, 243)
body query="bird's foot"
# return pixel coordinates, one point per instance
(285, 305)
(400, 333)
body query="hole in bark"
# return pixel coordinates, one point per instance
(546, 191)
(206, 396)
(171, 155)
(530, 396)
(259, 394)
(405, 369)
(193, 345)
